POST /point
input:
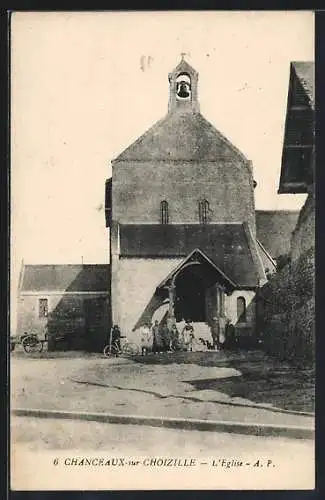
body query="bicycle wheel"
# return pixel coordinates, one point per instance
(197, 345)
(32, 344)
(130, 349)
(108, 351)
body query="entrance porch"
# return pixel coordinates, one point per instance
(196, 292)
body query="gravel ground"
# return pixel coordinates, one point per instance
(126, 387)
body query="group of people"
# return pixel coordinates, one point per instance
(223, 335)
(158, 338)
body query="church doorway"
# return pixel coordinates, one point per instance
(190, 290)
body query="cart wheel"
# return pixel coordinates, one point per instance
(107, 351)
(31, 344)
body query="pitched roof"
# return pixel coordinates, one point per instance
(184, 66)
(197, 256)
(181, 135)
(305, 72)
(274, 228)
(298, 143)
(66, 277)
(226, 245)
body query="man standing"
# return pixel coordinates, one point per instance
(215, 333)
(116, 337)
(155, 337)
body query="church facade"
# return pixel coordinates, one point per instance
(181, 213)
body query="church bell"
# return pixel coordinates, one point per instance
(183, 90)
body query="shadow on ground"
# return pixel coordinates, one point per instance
(263, 380)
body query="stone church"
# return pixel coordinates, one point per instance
(182, 220)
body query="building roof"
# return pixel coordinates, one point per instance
(65, 278)
(228, 246)
(184, 66)
(211, 271)
(274, 228)
(305, 72)
(298, 144)
(181, 135)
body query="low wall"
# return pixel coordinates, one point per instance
(286, 311)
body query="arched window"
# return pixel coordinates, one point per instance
(203, 211)
(241, 309)
(164, 212)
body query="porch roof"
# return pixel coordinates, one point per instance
(198, 257)
(227, 246)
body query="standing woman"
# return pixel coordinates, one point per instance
(146, 339)
(188, 335)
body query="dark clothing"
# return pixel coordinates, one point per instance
(155, 338)
(116, 337)
(215, 335)
(166, 339)
(231, 340)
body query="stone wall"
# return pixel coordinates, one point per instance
(135, 303)
(74, 321)
(133, 289)
(303, 237)
(286, 311)
(231, 308)
(140, 186)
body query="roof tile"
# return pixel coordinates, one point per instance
(224, 244)
(66, 277)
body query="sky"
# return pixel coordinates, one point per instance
(85, 85)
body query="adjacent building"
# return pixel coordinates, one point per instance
(69, 303)
(298, 156)
(286, 311)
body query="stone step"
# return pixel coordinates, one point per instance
(201, 330)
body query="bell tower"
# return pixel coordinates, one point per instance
(183, 82)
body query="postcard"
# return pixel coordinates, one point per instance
(162, 250)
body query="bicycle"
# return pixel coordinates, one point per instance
(197, 345)
(31, 343)
(127, 349)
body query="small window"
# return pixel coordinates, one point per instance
(164, 212)
(241, 310)
(203, 211)
(43, 308)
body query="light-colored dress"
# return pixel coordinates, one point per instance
(188, 334)
(146, 337)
